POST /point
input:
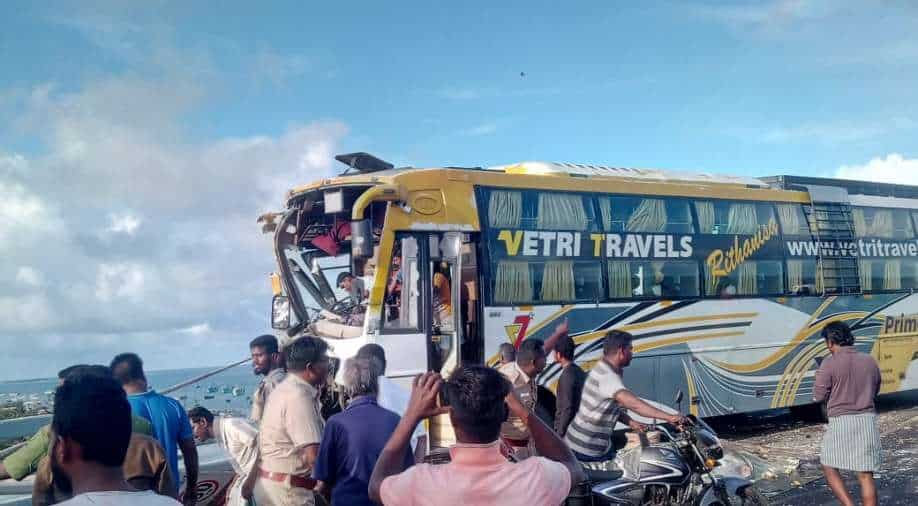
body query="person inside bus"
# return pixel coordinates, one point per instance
(663, 284)
(394, 287)
(649, 281)
(669, 287)
(726, 289)
(657, 287)
(442, 297)
(353, 286)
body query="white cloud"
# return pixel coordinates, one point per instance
(828, 133)
(767, 14)
(278, 69)
(24, 216)
(177, 269)
(21, 315)
(893, 168)
(18, 206)
(124, 223)
(198, 329)
(29, 276)
(120, 280)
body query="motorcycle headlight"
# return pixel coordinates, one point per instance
(715, 452)
(710, 443)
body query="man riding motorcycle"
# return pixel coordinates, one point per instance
(604, 402)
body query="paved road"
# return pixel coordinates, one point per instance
(780, 438)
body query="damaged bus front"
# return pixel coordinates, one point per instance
(407, 237)
(329, 232)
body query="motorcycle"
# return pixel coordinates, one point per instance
(677, 471)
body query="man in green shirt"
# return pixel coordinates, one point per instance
(24, 461)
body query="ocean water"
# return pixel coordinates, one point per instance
(214, 393)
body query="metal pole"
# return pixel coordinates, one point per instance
(204, 376)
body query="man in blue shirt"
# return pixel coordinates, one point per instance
(171, 426)
(354, 438)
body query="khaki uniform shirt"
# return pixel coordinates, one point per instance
(292, 421)
(267, 385)
(525, 388)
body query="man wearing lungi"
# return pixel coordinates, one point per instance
(849, 381)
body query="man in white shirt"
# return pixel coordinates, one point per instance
(90, 434)
(235, 435)
(395, 398)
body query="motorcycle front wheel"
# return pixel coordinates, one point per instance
(752, 497)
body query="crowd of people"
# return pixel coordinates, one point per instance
(112, 440)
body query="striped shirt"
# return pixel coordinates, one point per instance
(590, 434)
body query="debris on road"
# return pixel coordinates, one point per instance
(781, 453)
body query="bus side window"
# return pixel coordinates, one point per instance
(642, 279)
(645, 214)
(886, 274)
(909, 273)
(882, 223)
(804, 277)
(400, 308)
(751, 277)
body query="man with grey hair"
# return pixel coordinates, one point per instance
(393, 397)
(354, 438)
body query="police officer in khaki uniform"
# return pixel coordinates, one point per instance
(291, 429)
(523, 375)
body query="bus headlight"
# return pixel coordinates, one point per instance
(280, 312)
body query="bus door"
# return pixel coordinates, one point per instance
(470, 302)
(446, 323)
(403, 329)
(431, 306)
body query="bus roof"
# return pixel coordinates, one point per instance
(854, 187)
(574, 176)
(556, 169)
(583, 170)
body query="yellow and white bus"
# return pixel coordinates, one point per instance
(725, 282)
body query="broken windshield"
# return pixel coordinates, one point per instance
(314, 275)
(313, 249)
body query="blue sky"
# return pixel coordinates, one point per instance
(141, 141)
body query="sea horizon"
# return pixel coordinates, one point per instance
(227, 392)
(149, 371)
